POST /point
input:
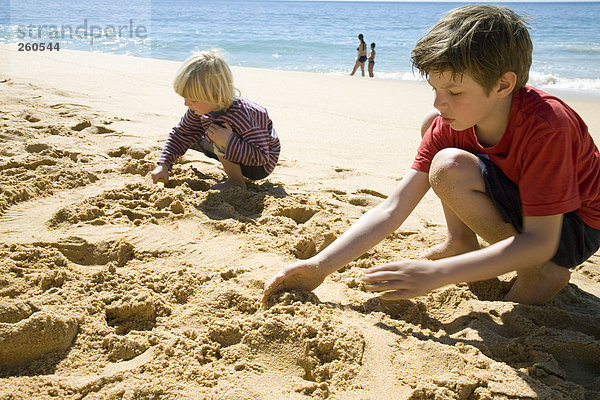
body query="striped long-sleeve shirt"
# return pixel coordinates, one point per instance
(253, 141)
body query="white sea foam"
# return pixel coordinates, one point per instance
(542, 81)
(550, 81)
(400, 75)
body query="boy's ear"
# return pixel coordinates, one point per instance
(506, 84)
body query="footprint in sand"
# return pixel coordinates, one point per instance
(361, 198)
(81, 252)
(137, 313)
(81, 125)
(32, 116)
(68, 109)
(300, 214)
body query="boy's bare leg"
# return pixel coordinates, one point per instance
(461, 239)
(234, 175)
(537, 285)
(455, 176)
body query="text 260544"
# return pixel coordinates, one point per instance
(50, 46)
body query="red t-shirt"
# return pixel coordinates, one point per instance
(546, 150)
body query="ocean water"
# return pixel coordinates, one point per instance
(314, 36)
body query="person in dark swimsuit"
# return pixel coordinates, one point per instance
(362, 56)
(372, 60)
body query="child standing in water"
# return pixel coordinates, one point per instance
(226, 127)
(372, 60)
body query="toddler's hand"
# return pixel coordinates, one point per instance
(219, 134)
(160, 172)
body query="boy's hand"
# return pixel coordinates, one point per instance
(219, 134)
(403, 279)
(160, 172)
(301, 275)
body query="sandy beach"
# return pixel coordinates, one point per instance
(114, 288)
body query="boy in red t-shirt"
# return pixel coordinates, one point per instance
(510, 163)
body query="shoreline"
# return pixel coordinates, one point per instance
(568, 93)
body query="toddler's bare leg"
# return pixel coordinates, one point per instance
(234, 175)
(455, 176)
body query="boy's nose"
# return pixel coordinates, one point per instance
(439, 103)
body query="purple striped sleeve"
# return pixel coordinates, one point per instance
(185, 134)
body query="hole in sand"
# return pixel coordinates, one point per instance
(300, 215)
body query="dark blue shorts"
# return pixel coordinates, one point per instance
(253, 172)
(578, 241)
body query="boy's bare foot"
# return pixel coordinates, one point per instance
(537, 285)
(450, 248)
(228, 184)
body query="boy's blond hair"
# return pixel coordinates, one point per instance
(483, 41)
(206, 77)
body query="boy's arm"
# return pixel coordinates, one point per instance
(406, 279)
(369, 230)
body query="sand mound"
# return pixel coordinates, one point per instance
(33, 337)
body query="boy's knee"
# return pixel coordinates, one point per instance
(451, 167)
(428, 121)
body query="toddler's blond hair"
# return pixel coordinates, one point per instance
(205, 76)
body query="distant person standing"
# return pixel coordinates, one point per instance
(372, 60)
(362, 56)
